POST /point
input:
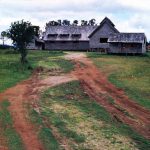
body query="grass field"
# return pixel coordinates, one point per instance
(66, 112)
(11, 71)
(83, 123)
(131, 73)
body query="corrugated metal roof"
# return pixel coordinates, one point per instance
(127, 37)
(85, 31)
(105, 20)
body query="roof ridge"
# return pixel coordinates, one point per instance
(107, 19)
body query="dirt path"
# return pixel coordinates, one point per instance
(95, 84)
(100, 89)
(27, 92)
(16, 96)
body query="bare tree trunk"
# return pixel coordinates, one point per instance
(23, 56)
(3, 41)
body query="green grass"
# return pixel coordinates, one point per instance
(44, 133)
(84, 123)
(131, 73)
(11, 71)
(12, 138)
(48, 139)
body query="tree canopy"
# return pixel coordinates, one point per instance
(66, 22)
(22, 33)
(3, 36)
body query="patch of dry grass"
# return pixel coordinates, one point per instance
(82, 122)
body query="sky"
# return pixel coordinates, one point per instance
(127, 15)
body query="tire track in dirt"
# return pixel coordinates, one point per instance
(27, 92)
(25, 129)
(97, 86)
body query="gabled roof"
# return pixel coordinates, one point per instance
(84, 31)
(105, 20)
(127, 38)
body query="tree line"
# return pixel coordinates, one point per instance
(91, 22)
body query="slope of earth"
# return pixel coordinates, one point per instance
(49, 63)
(76, 121)
(110, 97)
(23, 93)
(11, 71)
(54, 131)
(131, 73)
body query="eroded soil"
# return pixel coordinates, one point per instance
(96, 86)
(100, 89)
(27, 92)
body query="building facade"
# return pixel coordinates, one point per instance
(67, 37)
(134, 43)
(100, 37)
(36, 44)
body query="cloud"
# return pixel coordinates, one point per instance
(136, 5)
(128, 16)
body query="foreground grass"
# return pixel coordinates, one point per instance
(11, 137)
(81, 121)
(131, 73)
(11, 71)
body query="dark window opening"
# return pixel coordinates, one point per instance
(103, 40)
(52, 35)
(75, 41)
(145, 41)
(38, 43)
(64, 35)
(63, 41)
(51, 41)
(130, 45)
(76, 35)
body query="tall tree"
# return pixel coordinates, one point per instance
(22, 33)
(75, 22)
(53, 23)
(59, 22)
(36, 30)
(92, 22)
(3, 36)
(84, 23)
(66, 22)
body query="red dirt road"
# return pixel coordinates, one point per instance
(24, 93)
(16, 96)
(96, 86)
(100, 89)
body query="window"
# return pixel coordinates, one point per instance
(103, 40)
(64, 35)
(76, 35)
(145, 40)
(52, 35)
(63, 41)
(75, 41)
(51, 41)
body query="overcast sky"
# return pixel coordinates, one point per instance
(127, 15)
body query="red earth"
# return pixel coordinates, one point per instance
(95, 85)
